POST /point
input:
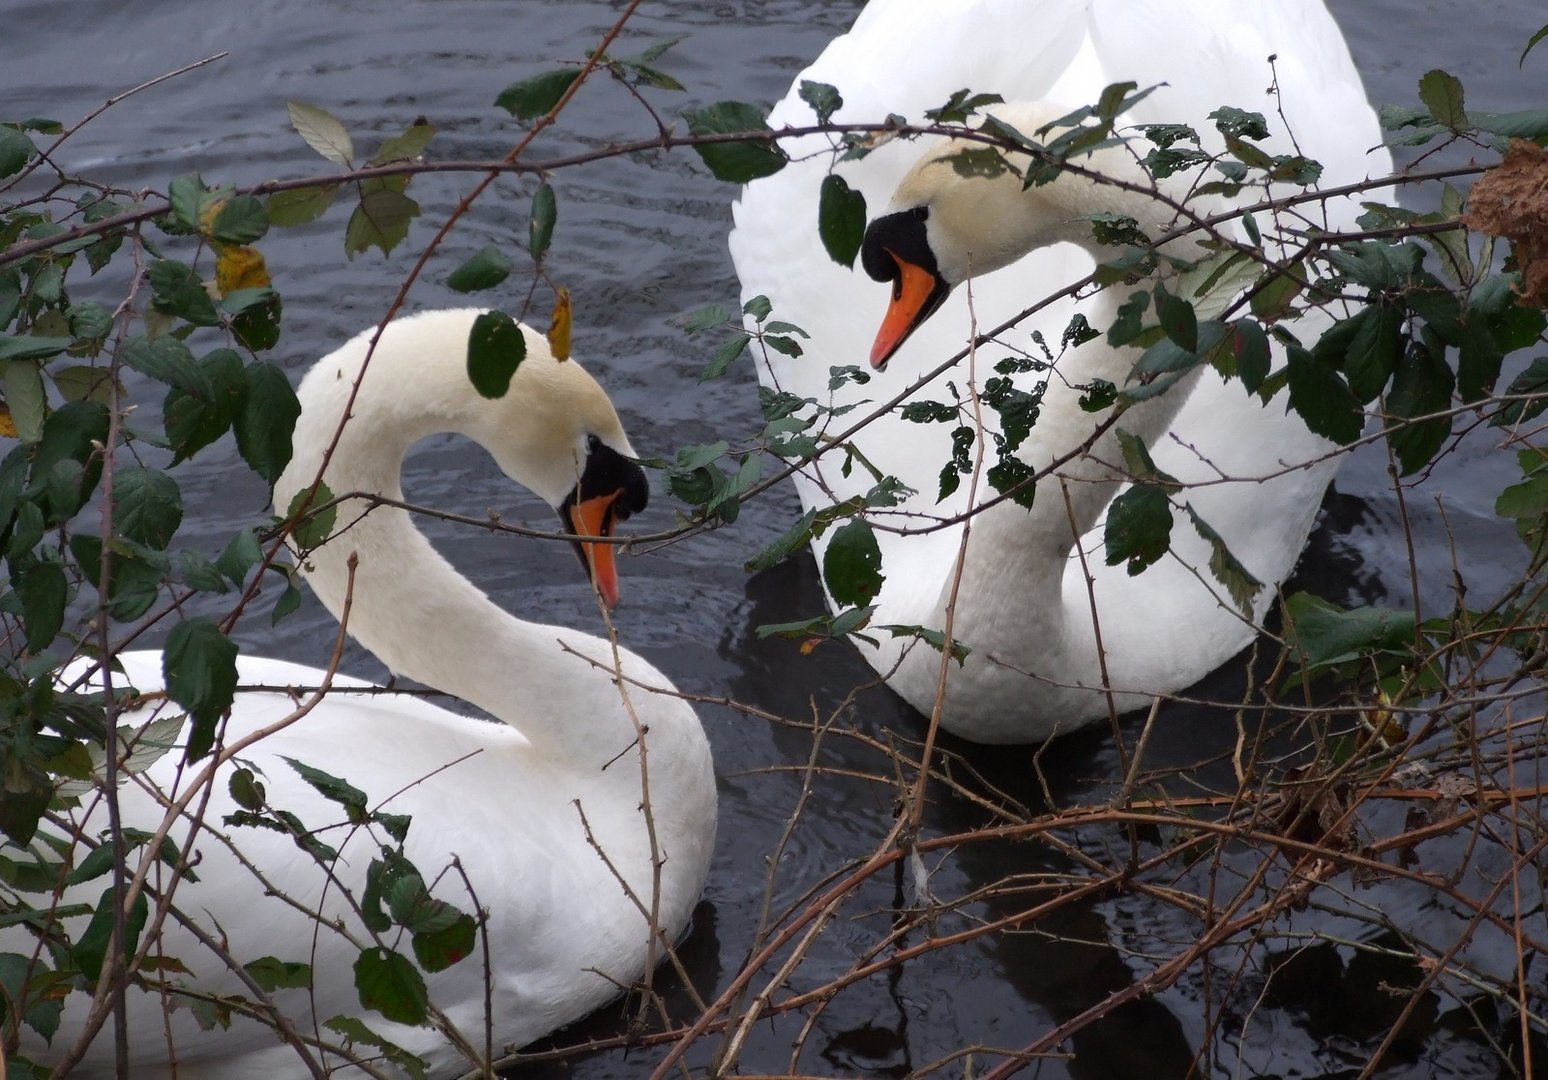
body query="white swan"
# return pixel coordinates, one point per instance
(504, 800)
(1024, 608)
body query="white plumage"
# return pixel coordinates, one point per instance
(1024, 607)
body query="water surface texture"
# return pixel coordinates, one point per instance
(640, 242)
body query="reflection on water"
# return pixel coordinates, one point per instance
(640, 242)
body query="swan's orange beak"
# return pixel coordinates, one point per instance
(594, 517)
(914, 299)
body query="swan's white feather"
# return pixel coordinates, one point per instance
(1163, 629)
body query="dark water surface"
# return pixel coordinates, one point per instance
(640, 242)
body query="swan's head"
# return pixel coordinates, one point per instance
(948, 221)
(555, 432)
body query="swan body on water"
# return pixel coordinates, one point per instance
(1048, 652)
(541, 821)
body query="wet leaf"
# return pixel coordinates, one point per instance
(496, 348)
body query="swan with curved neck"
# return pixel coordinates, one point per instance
(1048, 652)
(544, 816)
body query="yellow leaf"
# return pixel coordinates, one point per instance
(559, 327)
(7, 425)
(239, 267)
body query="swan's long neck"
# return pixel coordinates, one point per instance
(405, 602)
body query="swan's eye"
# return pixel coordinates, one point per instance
(592, 444)
(920, 213)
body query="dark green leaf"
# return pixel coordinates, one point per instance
(240, 556)
(840, 220)
(32, 348)
(439, 949)
(825, 100)
(149, 506)
(1251, 348)
(242, 220)
(531, 98)
(1273, 298)
(960, 106)
(1422, 385)
(91, 948)
(1139, 527)
(16, 149)
(496, 348)
(199, 665)
(332, 788)
(484, 270)
(1178, 320)
(851, 565)
(1322, 399)
(1531, 384)
(187, 194)
(272, 974)
(1228, 570)
(247, 791)
(43, 591)
(1239, 123)
(1442, 95)
(724, 356)
(1374, 350)
(540, 227)
(405, 147)
(266, 421)
(389, 983)
(1325, 634)
(177, 290)
(357, 1033)
(317, 525)
(256, 317)
(737, 162)
(1531, 44)
(21, 383)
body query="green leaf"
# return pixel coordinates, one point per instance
(1422, 385)
(255, 318)
(91, 947)
(389, 983)
(16, 149)
(824, 100)
(32, 348)
(1441, 93)
(199, 665)
(299, 206)
(405, 147)
(1322, 399)
(962, 104)
(1139, 527)
(240, 555)
(735, 162)
(197, 572)
(1374, 350)
(851, 565)
(1250, 347)
(484, 270)
(43, 591)
(272, 974)
(1532, 385)
(1178, 320)
(313, 530)
(322, 132)
(1228, 570)
(1531, 44)
(266, 421)
(840, 220)
(187, 195)
(1273, 299)
(533, 97)
(177, 290)
(439, 949)
(724, 356)
(496, 348)
(242, 220)
(334, 789)
(381, 220)
(22, 385)
(540, 227)
(1326, 635)
(355, 1032)
(247, 791)
(167, 360)
(148, 506)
